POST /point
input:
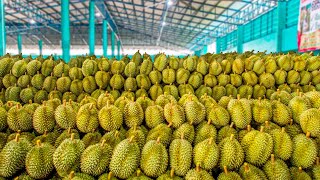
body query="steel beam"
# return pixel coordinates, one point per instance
(119, 47)
(112, 43)
(281, 23)
(2, 29)
(65, 28)
(240, 39)
(105, 38)
(91, 27)
(40, 46)
(218, 45)
(19, 40)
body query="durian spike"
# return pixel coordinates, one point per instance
(103, 142)
(272, 158)
(71, 175)
(231, 136)
(225, 169)
(210, 141)
(17, 137)
(172, 173)
(246, 167)
(38, 142)
(261, 128)
(249, 127)
(300, 169)
(283, 129)
(198, 167)
(308, 134)
(72, 136)
(158, 140)
(131, 139)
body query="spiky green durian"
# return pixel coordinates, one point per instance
(225, 132)
(262, 110)
(238, 66)
(102, 79)
(187, 130)
(185, 89)
(47, 67)
(78, 176)
(314, 97)
(91, 138)
(66, 157)
(304, 151)
(245, 91)
(76, 87)
(125, 159)
(49, 138)
(248, 171)
(154, 115)
(87, 118)
(267, 80)
(130, 69)
(210, 80)
(19, 68)
(61, 69)
(63, 84)
(65, 116)
(13, 156)
(43, 118)
(202, 67)
(75, 73)
(113, 138)
(282, 114)
(182, 76)
(285, 62)
(3, 119)
(293, 77)
(259, 91)
(136, 58)
(110, 117)
(180, 153)
(276, 169)
(198, 174)
(171, 90)
(155, 91)
(249, 78)
(160, 62)
(282, 144)
(218, 116)
(310, 121)
(133, 114)
(206, 154)
(130, 84)
(89, 84)
(218, 92)
(39, 162)
(168, 76)
(146, 66)
(299, 174)
(204, 131)
(236, 80)
(202, 90)
(190, 64)
(33, 67)
(107, 176)
(257, 146)
(155, 77)
(215, 68)
(89, 67)
(195, 112)
(13, 93)
(226, 175)
(40, 96)
(231, 153)
(24, 81)
(117, 67)
(9, 80)
(19, 119)
(154, 158)
(305, 77)
(162, 131)
(271, 65)
(240, 112)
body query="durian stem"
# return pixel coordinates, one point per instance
(231, 136)
(300, 169)
(38, 142)
(17, 137)
(272, 158)
(110, 175)
(209, 121)
(317, 161)
(225, 169)
(172, 173)
(291, 122)
(267, 123)
(103, 142)
(261, 128)
(210, 140)
(246, 167)
(170, 124)
(249, 128)
(131, 139)
(238, 96)
(231, 125)
(158, 140)
(69, 130)
(64, 103)
(283, 129)
(72, 136)
(198, 167)
(182, 136)
(138, 172)
(308, 134)
(107, 104)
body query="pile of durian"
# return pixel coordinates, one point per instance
(250, 116)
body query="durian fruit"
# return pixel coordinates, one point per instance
(89, 84)
(125, 159)
(208, 102)
(182, 75)
(206, 154)
(133, 114)
(257, 146)
(195, 111)
(204, 131)
(293, 129)
(185, 89)
(168, 76)
(47, 67)
(95, 159)
(102, 79)
(88, 100)
(91, 138)
(66, 157)
(3, 139)
(107, 176)
(249, 78)
(43, 119)
(304, 151)
(314, 97)
(117, 67)
(3, 119)
(49, 83)
(187, 130)
(231, 153)
(9, 80)
(18, 119)
(161, 131)
(136, 58)
(190, 64)
(78, 176)
(236, 80)
(299, 174)
(218, 92)
(5, 64)
(240, 112)
(259, 91)
(39, 162)
(13, 156)
(146, 66)
(61, 68)
(282, 114)
(169, 175)
(130, 69)
(155, 77)
(154, 115)
(226, 131)
(87, 118)
(33, 67)
(63, 84)
(23, 176)
(49, 138)
(154, 158)
(211, 80)
(305, 77)
(155, 91)
(22, 135)
(89, 67)
(244, 132)
(113, 138)
(130, 84)
(198, 173)
(226, 175)
(202, 67)
(110, 117)
(144, 101)
(310, 121)
(238, 66)
(65, 116)
(19, 68)
(261, 110)
(160, 62)
(282, 144)
(164, 99)
(139, 176)
(271, 65)
(293, 77)
(25, 80)
(316, 170)
(276, 169)
(248, 171)
(267, 80)
(284, 96)
(215, 68)
(174, 114)
(13, 93)
(285, 62)
(180, 153)
(224, 101)
(298, 105)
(75, 73)
(171, 90)
(138, 135)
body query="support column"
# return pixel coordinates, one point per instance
(19, 40)
(91, 27)
(218, 45)
(65, 30)
(105, 38)
(281, 23)
(112, 43)
(2, 29)
(240, 39)
(119, 45)
(40, 46)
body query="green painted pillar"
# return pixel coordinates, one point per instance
(91, 27)
(218, 45)
(19, 40)
(65, 30)
(240, 39)
(40, 46)
(119, 48)
(112, 43)
(281, 23)
(105, 38)
(2, 29)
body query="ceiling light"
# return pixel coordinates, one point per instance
(32, 21)
(170, 3)
(98, 14)
(163, 23)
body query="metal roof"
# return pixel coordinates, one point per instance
(189, 24)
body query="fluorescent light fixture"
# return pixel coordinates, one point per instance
(98, 14)
(32, 21)
(163, 23)
(170, 3)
